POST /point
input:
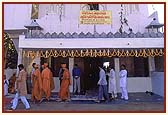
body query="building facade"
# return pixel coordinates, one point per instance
(52, 33)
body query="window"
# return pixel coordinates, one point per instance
(136, 66)
(93, 6)
(159, 63)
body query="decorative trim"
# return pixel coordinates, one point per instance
(94, 53)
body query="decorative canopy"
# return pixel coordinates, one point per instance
(154, 24)
(33, 26)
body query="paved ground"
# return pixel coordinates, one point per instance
(84, 103)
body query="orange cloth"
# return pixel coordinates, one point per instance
(12, 81)
(46, 82)
(64, 93)
(37, 85)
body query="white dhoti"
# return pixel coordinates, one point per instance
(123, 84)
(5, 89)
(23, 99)
(112, 87)
(6, 83)
(112, 84)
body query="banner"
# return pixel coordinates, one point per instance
(95, 17)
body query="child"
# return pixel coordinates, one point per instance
(6, 84)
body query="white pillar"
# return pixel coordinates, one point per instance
(151, 63)
(71, 64)
(117, 69)
(20, 58)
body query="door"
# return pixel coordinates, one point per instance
(91, 67)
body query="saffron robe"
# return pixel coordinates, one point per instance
(37, 85)
(46, 82)
(64, 93)
(12, 81)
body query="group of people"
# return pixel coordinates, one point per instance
(110, 86)
(9, 85)
(43, 84)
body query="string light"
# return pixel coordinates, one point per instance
(94, 53)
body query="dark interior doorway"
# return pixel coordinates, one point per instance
(90, 71)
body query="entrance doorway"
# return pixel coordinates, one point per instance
(90, 70)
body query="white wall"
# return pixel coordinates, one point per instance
(139, 84)
(158, 83)
(91, 43)
(16, 16)
(9, 72)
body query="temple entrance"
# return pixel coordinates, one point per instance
(90, 71)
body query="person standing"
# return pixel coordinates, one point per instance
(112, 84)
(37, 84)
(76, 73)
(12, 81)
(32, 81)
(6, 84)
(123, 82)
(102, 86)
(21, 88)
(46, 81)
(64, 93)
(33, 69)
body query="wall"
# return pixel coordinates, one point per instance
(88, 43)
(139, 84)
(9, 72)
(158, 83)
(16, 16)
(21, 13)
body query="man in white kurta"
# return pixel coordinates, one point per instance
(112, 84)
(102, 86)
(6, 84)
(123, 82)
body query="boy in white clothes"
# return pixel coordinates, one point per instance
(123, 82)
(6, 84)
(112, 84)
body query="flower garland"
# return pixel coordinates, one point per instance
(94, 53)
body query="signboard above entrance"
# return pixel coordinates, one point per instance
(95, 17)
